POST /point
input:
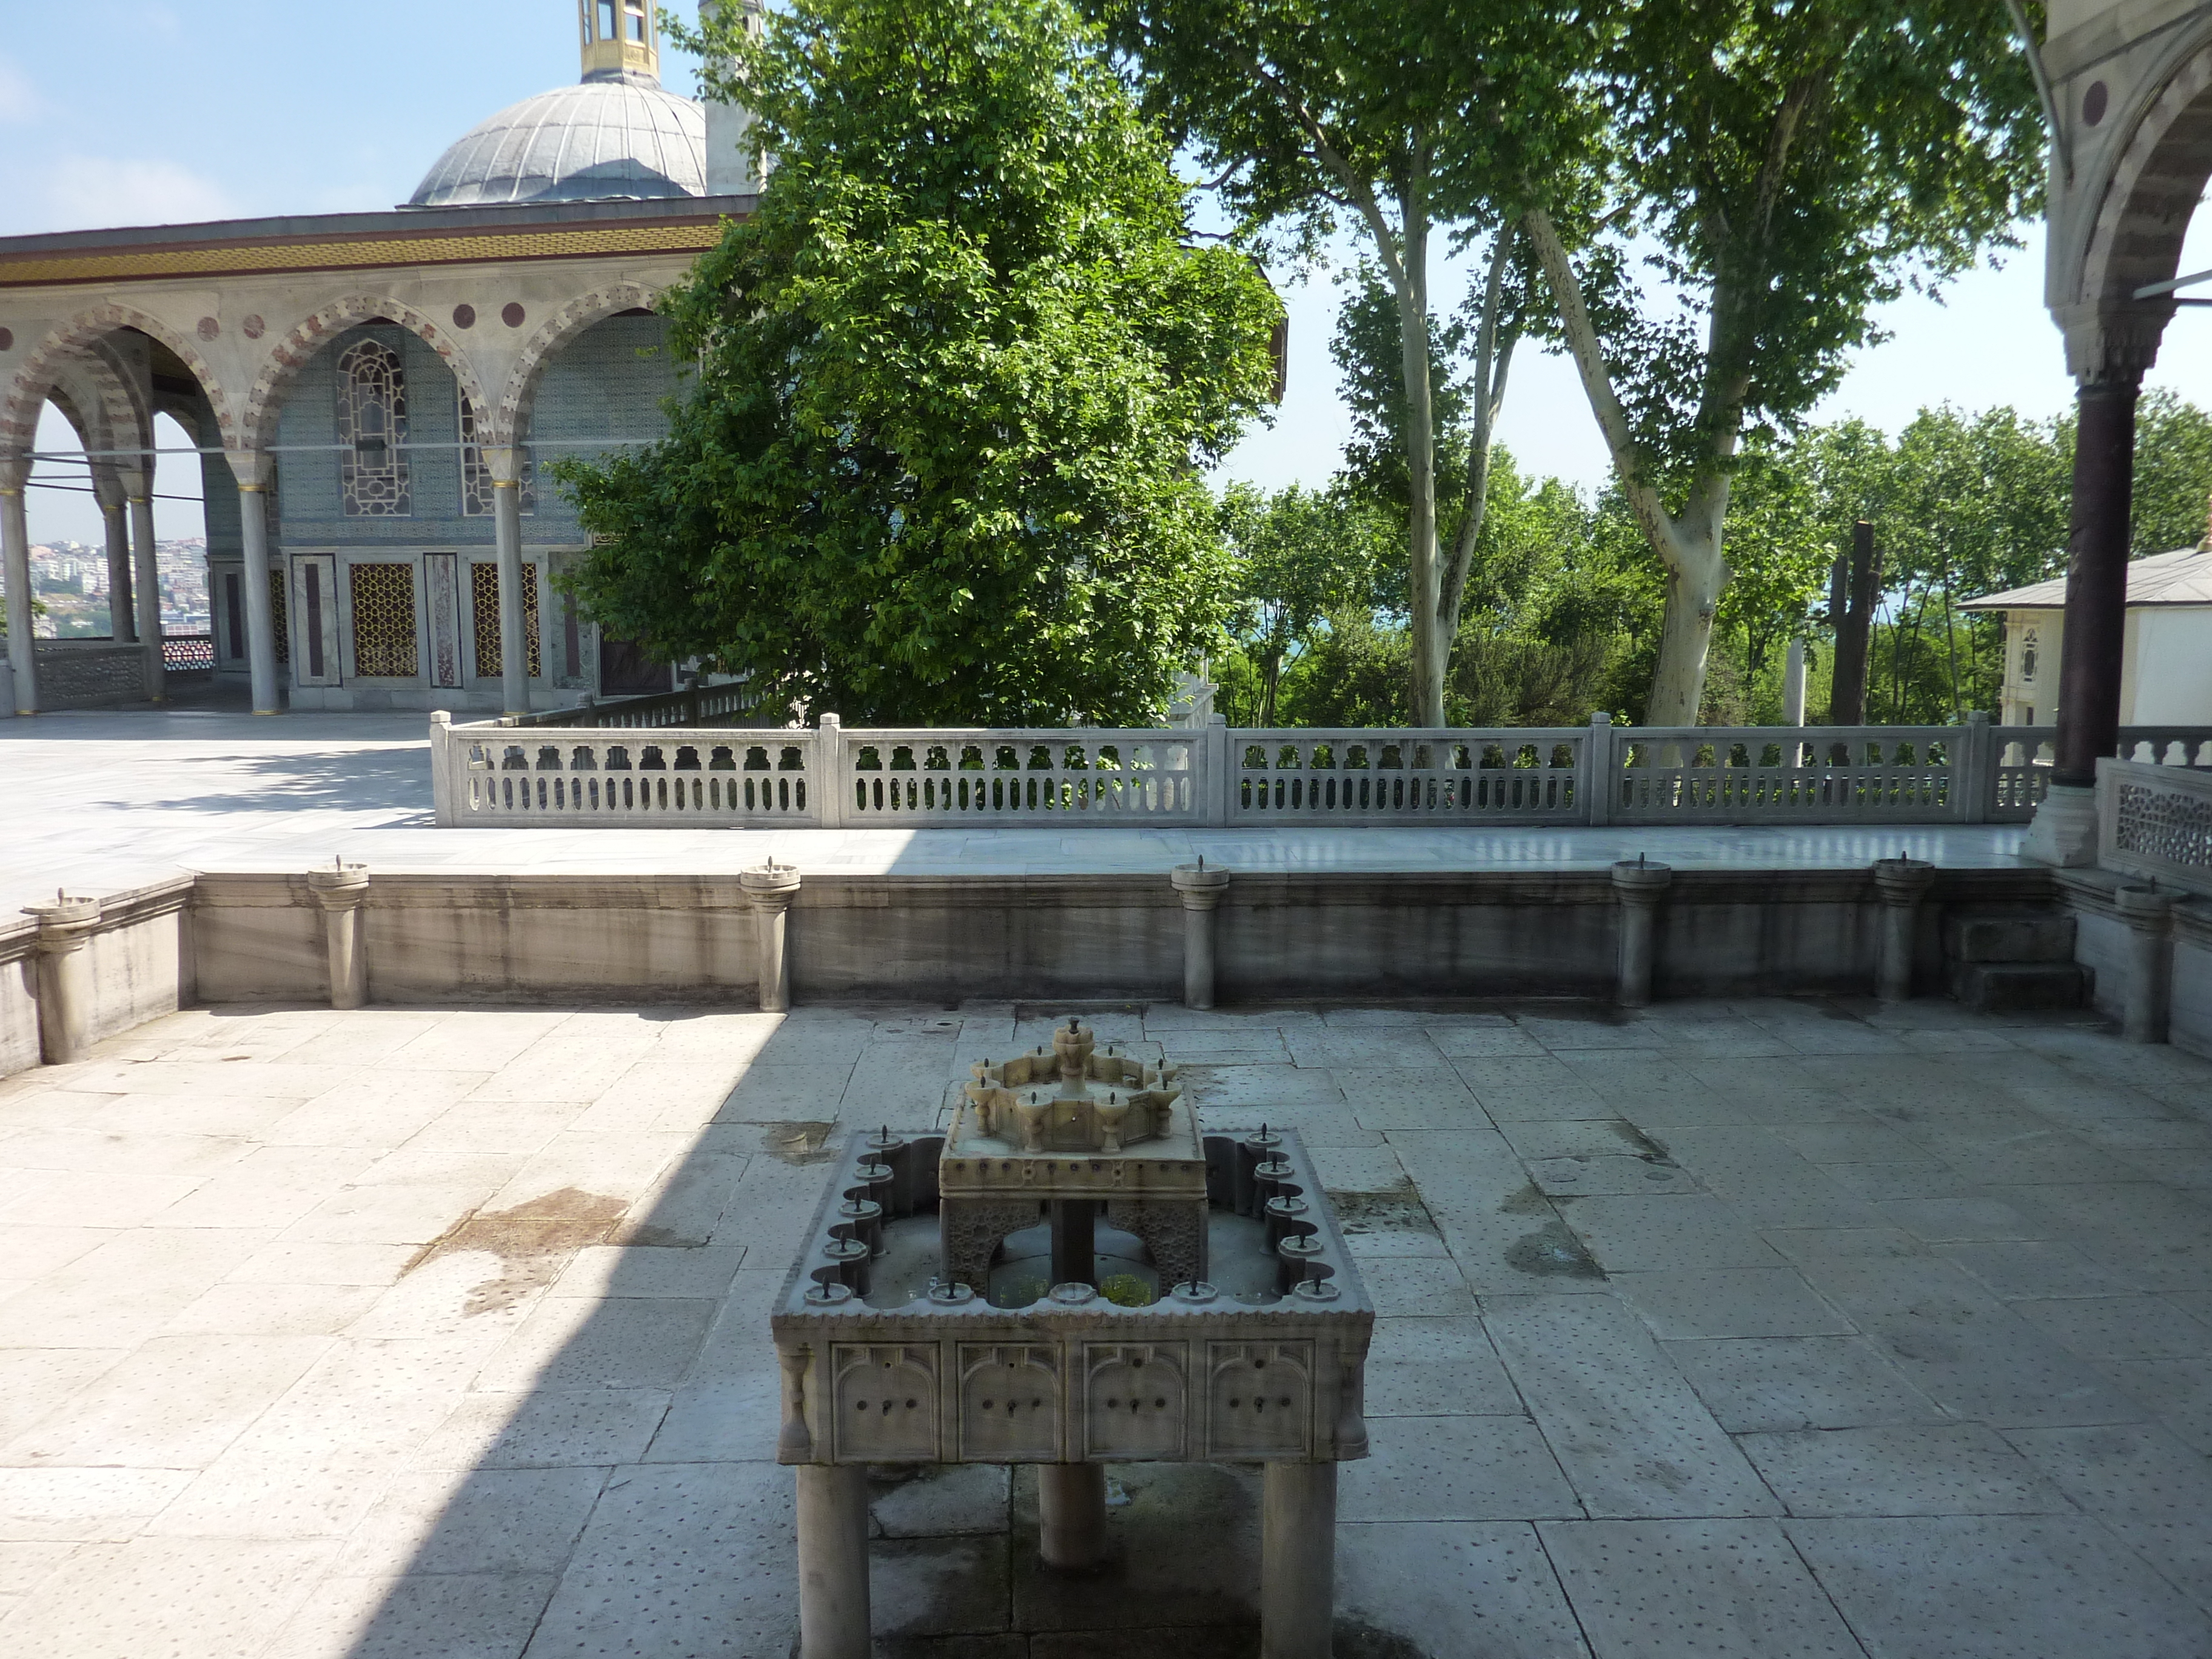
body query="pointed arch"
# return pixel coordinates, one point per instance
(27, 388)
(257, 423)
(512, 421)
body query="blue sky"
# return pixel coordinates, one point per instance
(136, 112)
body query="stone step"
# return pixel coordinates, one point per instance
(1997, 987)
(2009, 936)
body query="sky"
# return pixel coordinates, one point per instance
(139, 112)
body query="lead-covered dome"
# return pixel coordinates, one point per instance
(607, 138)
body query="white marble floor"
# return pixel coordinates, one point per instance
(1759, 1329)
(99, 802)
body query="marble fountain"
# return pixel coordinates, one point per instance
(1074, 1274)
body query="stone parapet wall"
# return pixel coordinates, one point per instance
(88, 673)
(141, 967)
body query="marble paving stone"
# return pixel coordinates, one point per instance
(1469, 1039)
(1600, 1028)
(1409, 1098)
(776, 1094)
(1419, 1285)
(300, 1261)
(1537, 1089)
(1454, 1468)
(386, 1215)
(1952, 1468)
(1799, 1382)
(623, 1167)
(475, 1040)
(169, 1595)
(23, 1567)
(1184, 1551)
(175, 1403)
(923, 1587)
(280, 1487)
(452, 1615)
(684, 1205)
(1746, 1301)
(1233, 1086)
(84, 1505)
(1921, 1178)
(633, 1342)
(275, 1187)
(2120, 1327)
(232, 1308)
(34, 1252)
(1804, 1245)
(1630, 1432)
(2150, 1489)
(1668, 1233)
(476, 1521)
(1455, 1587)
(606, 1270)
(1608, 1176)
(2016, 1269)
(1762, 1180)
(694, 1559)
(1865, 1142)
(1505, 1234)
(160, 1154)
(376, 1109)
(1699, 1589)
(542, 1427)
(727, 1418)
(112, 1199)
(1998, 1587)
(1387, 1048)
(1596, 1137)
(941, 1500)
(1360, 1170)
(1420, 1367)
(35, 1380)
(518, 1126)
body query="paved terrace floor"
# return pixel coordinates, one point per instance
(104, 801)
(1769, 1330)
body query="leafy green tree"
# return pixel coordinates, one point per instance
(1404, 120)
(2173, 473)
(1765, 177)
(1300, 555)
(957, 379)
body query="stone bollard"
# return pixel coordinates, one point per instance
(1201, 889)
(2149, 917)
(340, 891)
(65, 977)
(770, 890)
(1641, 887)
(1902, 882)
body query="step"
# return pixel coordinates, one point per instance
(1999, 987)
(2009, 936)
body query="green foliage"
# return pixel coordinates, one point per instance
(1300, 555)
(956, 380)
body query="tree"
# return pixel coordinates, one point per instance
(1300, 556)
(1782, 171)
(957, 379)
(1405, 119)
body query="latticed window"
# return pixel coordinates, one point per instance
(476, 477)
(384, 622)
(483, 599)
(279, 623)
(372, 427)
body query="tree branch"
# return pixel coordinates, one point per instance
(1491, 359)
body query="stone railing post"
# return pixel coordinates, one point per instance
(1974, 770)
(65, 977)
(442, 800)
(1902, 882)
(831, 782)
(1600, 775)
(1201, 889)
(2149, 917)
(769, 889)
(340, 891)
(1212, 755)
(1641, 887)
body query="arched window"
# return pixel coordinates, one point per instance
(372, 427)
(476, 477)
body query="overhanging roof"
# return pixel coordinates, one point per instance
(2183, 577)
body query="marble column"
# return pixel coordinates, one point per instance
(255, 470)
(1641, 887)
(115, 515)
(15, 572)
(769, 889)
(1901, 883)
(2149, 917)
(1071, 1514)
(1202, 887)
(1297, 1561)
(339, 889)
(146, 589)
(65, 977)
(833, 1561)
(504, 463)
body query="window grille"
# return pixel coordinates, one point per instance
(476, 477)
(384, 622)
(372, 427)
(483, 601)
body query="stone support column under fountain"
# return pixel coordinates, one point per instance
(832, 1562)
(1201, 889)
(1902, 882)
(1642, 888)
(769, 889)
(2149, 917)
(65, 977)
(340, 891)
(1297, 1561)
(1071, 1514)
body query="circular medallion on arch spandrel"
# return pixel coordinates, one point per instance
(513, 314)
(209, 328)
(465, 316)
(253, 327)
(2095, 101)
(7, 339)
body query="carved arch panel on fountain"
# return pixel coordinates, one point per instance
(68, 345)
(265, 402)
(2141, 213)
(511, 423)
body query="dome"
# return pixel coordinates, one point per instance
(606, 138)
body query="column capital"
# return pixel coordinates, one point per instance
(1201, 884)
(15, 471)
(1903, 880)
(504, 462)
(769, 886)
(65, 923)
(2110, 347)
(254, 468)
(339, 886)
(108, 488)
(1639, 881)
